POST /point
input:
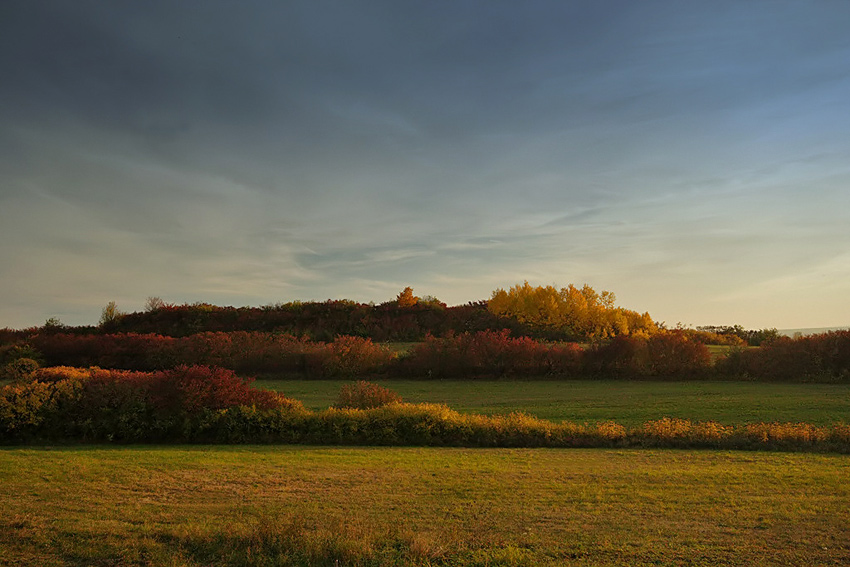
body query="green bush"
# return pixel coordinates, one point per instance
(19, 370)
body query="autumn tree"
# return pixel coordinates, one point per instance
(579, 313)
(406, 298)
(110, 314)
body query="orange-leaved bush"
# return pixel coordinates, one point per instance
(365, 395)
(350, 356)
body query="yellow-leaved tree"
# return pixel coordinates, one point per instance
(406, 298)
(580, 313)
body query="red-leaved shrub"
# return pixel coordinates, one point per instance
(823, 357)
(621, 357)
(490, 353)
(673, 353)
(353, 356)
(667, 354)
(242, 351)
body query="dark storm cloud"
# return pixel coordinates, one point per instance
(363, 85)
(294, 79)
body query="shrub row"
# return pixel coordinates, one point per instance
(437, 425)
(490, 353)
(318, 320)
(823, 357)
(211, 405)
(467, 355)
(244, 352)
(669, 355)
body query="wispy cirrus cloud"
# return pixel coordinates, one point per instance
(680, 155)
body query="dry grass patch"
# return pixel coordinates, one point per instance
(407, 506)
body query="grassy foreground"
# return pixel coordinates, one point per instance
(253, 505)
(629, 403)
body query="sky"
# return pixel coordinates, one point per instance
(691, 157)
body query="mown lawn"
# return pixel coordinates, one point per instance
(627, 402)
(252, 505)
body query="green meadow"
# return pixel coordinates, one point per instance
(629, 403)
(252, 505)
(249, 505)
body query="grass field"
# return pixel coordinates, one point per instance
(627, 402)
(253, 505)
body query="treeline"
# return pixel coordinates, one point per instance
(321, 321)
(822, 357)
(485, 354)
(734, 335)
(206, 405)
(241, 351)
(570, 314)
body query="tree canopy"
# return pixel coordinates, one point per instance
(579, 313)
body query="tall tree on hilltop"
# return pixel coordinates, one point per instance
(406, 298)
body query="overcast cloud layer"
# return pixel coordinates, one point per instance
(692, 157)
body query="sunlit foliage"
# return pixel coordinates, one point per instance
(365, 395)
(579, 313)
(406, 298)
(202, 404)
